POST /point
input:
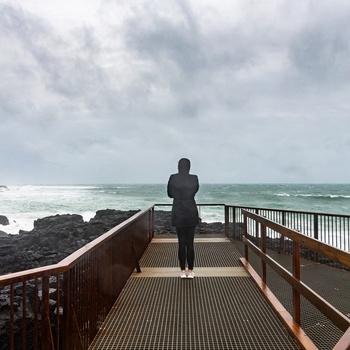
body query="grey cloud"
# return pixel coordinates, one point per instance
(157, 38)
(67, 65)
(321, 49)
(256, 96)
(201, 68)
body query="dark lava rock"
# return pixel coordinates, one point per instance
(4, 220)
(53, 238)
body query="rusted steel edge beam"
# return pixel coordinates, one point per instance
(344, 342)
(71, 260)
(327, 250)
(339, 319)
(294, 329)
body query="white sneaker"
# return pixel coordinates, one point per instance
(183, 274)
(191, 275)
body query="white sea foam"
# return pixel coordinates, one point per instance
(322, 195)
(283, 195)
(88, 215)
(17, 224)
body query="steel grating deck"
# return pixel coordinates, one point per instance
(163, 253)
(226, 312)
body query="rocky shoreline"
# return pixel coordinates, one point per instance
(55, 237)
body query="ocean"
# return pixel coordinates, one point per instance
(24, 204)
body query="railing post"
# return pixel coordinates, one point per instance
(296, 274)
(281, 248)
(245, 228)
(234, 234)
(152, 224)
(257, 229)
(263, 248)
(12, 318)
(46, 333)
(24, 316)
(316, 233)
(227, 221)
(66, 311)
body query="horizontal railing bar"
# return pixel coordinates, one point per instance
(261, 208)
(26, 275)
(289, 211)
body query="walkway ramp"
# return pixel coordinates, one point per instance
(221, 308)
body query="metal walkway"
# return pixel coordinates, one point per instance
(221, 308)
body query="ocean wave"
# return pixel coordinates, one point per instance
(24, 204)
(326, 196)
(52, 187)
(282, 194)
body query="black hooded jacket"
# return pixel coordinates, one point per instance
(182, 187)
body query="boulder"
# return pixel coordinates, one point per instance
(109, 218)
(4, 220)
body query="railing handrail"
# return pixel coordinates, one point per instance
(288, 210)
(259, 208)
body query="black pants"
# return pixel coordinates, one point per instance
(186, 248)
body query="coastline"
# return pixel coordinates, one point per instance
(55, 237)
(23, 205)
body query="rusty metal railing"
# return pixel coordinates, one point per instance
(62, 306)
(332, 229)
(252, 222)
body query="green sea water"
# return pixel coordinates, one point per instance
(23, 204)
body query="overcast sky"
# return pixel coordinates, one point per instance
(116, 91)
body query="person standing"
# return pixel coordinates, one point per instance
(182, 187)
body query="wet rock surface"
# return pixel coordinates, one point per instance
(53, 238)
(4, 220)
